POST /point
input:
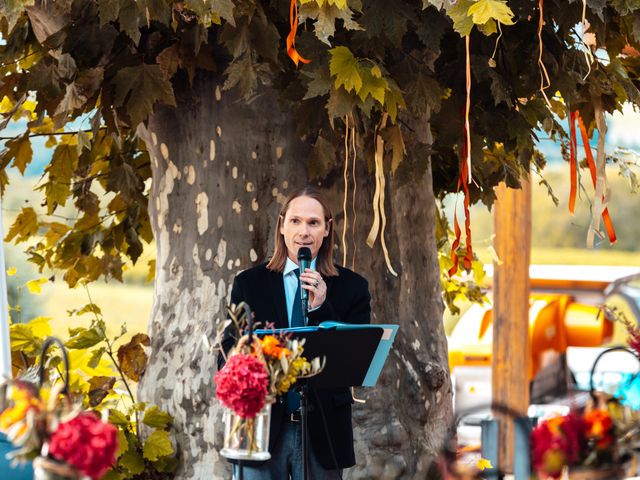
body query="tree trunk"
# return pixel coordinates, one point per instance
(408, 415)
(221, 169)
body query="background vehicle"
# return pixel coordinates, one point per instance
(567, 331)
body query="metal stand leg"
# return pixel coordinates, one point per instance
(305, 445)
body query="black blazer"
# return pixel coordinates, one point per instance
(348, 300)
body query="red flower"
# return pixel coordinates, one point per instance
(557, 442)
(242, 385)
(86, 443)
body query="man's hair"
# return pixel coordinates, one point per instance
(324, 263)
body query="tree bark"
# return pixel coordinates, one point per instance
(221, 169)
(408, 415)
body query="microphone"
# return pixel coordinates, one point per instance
(304, 261)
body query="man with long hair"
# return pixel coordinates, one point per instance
(335, 293)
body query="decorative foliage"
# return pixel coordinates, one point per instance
(100, 379)
(108, 64)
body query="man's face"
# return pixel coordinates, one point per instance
(304, 226)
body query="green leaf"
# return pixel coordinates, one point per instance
(132, 461)
(139, 88)
(89, 308)
(157, 445)
(96, 355)
(23, 339)
(344, 66)
(116, 417)
(109, 10)
(156, 418)
(462, 22)
(84, 338)
(484, 10)
(24, 226)
(320, 82)
(129, 19)
(114, 475)
(372, 85)
(325, 16)
(339, 104)
(242, 72)
(322, 157)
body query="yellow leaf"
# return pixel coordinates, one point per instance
(25, 226)
(344, 67)
(11, 271)
(375, 71)
(6, 105)
(35, 286)
(80, 359)
(483, 463)
(40, 327)
(151, 274)
(56, 231)
(484, 10)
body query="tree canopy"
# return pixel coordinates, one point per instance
(87, 73)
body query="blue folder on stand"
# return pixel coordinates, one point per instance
(354, 354)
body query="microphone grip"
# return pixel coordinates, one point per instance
(304, 294)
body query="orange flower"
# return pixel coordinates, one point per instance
(23, 401)
(599, 426)
(271, 347)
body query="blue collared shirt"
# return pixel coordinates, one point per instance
(291, 284)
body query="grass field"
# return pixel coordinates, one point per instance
(120, 303)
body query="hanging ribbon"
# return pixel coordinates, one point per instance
(545, 82)
(353, 198)
(606, 217)
(379, 216)
(468, 258)
(464, 179)
(467, 108)
(291, 38)
(573, 164)
(345, 223)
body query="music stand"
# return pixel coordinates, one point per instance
(348, 352)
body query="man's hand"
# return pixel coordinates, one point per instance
(313, 282)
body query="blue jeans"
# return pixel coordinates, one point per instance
(286, 460)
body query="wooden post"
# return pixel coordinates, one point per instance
(511, 348)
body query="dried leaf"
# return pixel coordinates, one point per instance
(132, 357)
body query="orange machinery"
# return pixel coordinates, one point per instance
(556, 322)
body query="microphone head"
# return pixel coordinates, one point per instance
(304, 253)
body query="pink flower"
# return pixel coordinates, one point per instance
(86, 443)
(242, 384)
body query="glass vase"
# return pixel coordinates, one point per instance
(247, 438)
(45, 468)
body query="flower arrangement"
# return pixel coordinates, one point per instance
(595, 438)
(62, 439)
(257, 370)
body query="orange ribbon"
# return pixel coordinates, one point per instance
(291, 38)
(462, 182)
(606, 218)
(573, 147)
